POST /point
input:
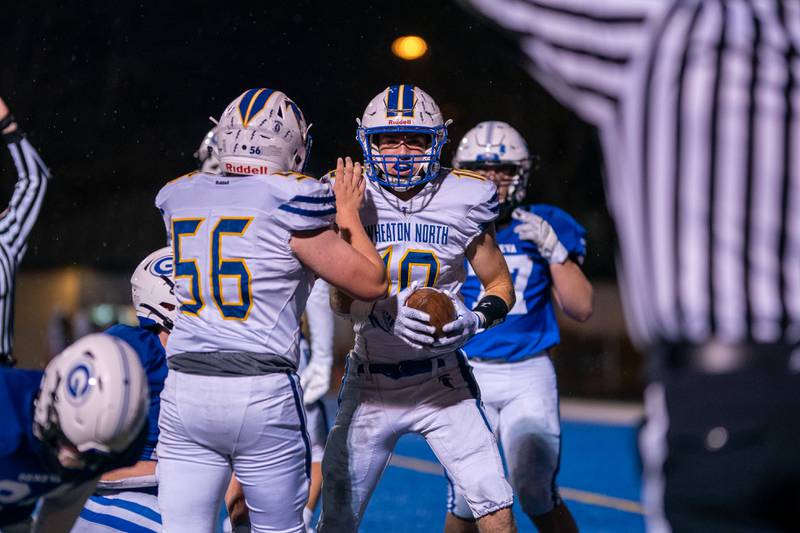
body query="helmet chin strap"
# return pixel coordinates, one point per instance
(166, 322)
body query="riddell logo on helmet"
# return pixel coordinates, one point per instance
(405, 122)
(245, 169)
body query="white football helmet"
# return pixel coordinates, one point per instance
(206, 155)
(402, 109)
(93, 396)
(153, 290)
(496, 144)
(262, 132)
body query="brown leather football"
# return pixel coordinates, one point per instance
(436, 303)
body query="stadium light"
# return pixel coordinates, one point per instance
(409, 47)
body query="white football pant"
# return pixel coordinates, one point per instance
(521, 402)
(317, 425)
(442, 405)
(254, 425)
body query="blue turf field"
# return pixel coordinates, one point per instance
(599, 477)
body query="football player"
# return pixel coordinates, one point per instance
(126, 499)
(206, 155)
(247, 244)
(316, 362)
(543, 247)
(425, 222)
(62, 428)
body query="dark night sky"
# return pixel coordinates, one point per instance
(116, 98)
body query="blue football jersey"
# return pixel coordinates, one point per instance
(27, 469)
(154, 361)
(530, 326)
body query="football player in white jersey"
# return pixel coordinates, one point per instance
(316, 362)
(425, 221)
(247, 244)
(543, 247)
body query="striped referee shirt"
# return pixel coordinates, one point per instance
(16, 222)
(697, 108)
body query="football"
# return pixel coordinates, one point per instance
(436, 303)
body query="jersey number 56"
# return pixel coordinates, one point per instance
(219, 267)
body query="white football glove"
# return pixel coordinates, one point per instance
(315, 381)
(537, 230)
(392, 316)
(460, 330)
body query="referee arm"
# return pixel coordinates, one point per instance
(17, 220)
(580, 50)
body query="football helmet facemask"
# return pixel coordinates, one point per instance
(402, 109)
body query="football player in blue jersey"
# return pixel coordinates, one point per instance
(543, 247)
(126, 499)
(62, 428)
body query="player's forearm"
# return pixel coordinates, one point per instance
(573, 291)
(352, 231)
(503, 288)
(140, 469)
(491, 268)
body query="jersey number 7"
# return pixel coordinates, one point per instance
(219, 268)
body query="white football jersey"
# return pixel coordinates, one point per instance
(239, 286)
(424, 239)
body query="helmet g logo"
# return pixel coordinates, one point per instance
(78, 382)
(162, 266)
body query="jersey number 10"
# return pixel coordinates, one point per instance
(412, 258)
(218, 269)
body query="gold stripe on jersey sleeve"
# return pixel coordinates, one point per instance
(461, 173)
(291, 174)
(189, 175)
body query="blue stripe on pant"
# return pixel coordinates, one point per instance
(466, 373)
(301, 413)
(114, 522)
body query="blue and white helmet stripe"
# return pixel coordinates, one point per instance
(494, 143)
(408, 109)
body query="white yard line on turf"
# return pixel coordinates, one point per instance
(614, 413)
(582, 496)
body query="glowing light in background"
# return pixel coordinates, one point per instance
(409, 47)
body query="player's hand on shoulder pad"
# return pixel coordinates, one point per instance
(537, 230)
(315, 380)
(460, 330)
(348, 186)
